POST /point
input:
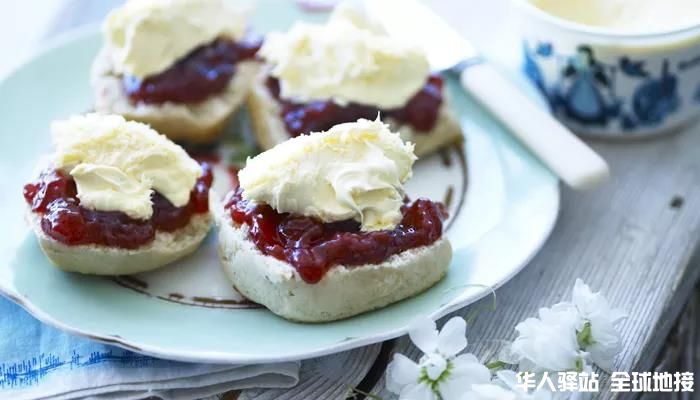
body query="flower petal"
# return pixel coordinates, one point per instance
(452, 338)
(434, 364)
(489, 391)
(423, 334)
(401, 371)
(466, 371)
(417, 391)
(590, 305)
(562, 314)
(508, 378)
(466, 358)
(549, 345)
(508, 356)
(452, 389)
(603, 356)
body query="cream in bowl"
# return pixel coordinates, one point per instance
(626, 16)
(615, 68)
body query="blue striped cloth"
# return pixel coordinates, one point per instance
(40, 362)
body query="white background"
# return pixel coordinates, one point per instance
(22, 27)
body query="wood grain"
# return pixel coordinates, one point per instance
(626, 239)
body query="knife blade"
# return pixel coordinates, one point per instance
(564, 153)
(417, 23)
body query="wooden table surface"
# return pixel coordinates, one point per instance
(634, 239)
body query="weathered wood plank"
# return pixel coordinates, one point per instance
(629, 239)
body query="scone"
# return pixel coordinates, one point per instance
(193, 122)
(317, 76)
(117, 198)
(320, 228)
(165, 248)
(182, 66)
(273, 119)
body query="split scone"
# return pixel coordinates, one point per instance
(317, 76)
(320, 228)
(117, 198)
(182, 66)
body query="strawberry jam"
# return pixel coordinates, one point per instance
(313, 247)
(204, 72)
(54, 196)
(421, 111)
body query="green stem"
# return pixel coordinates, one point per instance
(368, 395)
(496, 365)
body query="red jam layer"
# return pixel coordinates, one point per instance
(312, 246)
(54, 196)
(421, 112)
(204, 72)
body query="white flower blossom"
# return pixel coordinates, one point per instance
(568, 334)
(440, 373)
(548, 343)
(561, 338)
(403, 377)
(598, 335)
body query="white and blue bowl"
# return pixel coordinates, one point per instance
(609, 84)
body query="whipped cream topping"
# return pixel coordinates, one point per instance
(146, 37)
(354, 171)
(117, 164)
(348, 59)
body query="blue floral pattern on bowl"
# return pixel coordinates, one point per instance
(620, 96)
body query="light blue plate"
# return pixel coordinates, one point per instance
(504, 218)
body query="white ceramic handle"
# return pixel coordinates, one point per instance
(564, 153)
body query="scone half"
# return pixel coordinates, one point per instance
(343, 292)
(165, 248)
(270, 130)
(196, 123)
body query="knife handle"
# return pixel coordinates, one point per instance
(564, 153)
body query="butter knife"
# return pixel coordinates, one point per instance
(563, 152)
